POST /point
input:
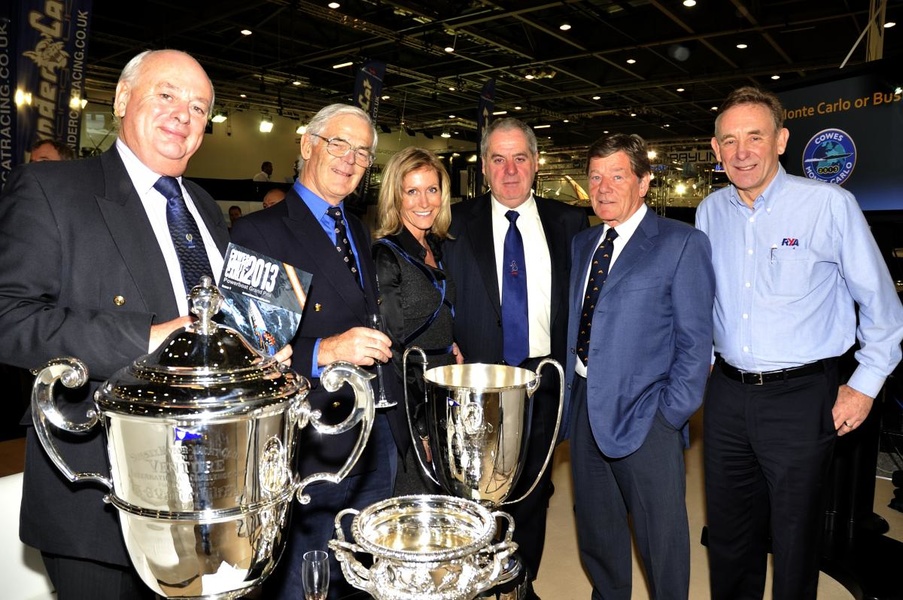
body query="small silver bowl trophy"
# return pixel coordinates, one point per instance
(446, 547)
(201, 438)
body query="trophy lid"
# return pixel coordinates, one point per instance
(200, 368)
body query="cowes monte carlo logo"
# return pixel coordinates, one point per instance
(829, 156)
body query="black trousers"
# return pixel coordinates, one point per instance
(530, 513)
(767, 451)
(80, 579)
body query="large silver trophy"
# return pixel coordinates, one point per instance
(424, 547)
(478, 419)
(201, 437)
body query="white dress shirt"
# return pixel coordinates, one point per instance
(155, 205)
(539, 269)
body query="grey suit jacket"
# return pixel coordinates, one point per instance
(81, 274)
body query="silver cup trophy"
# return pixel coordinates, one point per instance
(478, 420)
(201, 439)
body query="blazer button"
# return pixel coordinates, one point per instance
(119, 300)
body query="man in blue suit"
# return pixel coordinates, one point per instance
(639, 349)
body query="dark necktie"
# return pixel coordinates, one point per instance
(598, 271)
(515, 327)
(185, 234)
(341, 241)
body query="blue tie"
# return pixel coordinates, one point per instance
(598, 271)
(515, 328)
(185, 234)
(341, 241)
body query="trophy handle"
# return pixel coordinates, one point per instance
(415, 439)
(332, 378)
(355, 572)
(73, 373)
(535, 386)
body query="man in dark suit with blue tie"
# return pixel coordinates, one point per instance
(639, 349)
(497, 241)
(90, 267)
(311, 230)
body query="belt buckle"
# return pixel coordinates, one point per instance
(751, 378)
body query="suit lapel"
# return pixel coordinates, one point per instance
(331, 270)
(641, 242)
(557, 241)
(122, 210)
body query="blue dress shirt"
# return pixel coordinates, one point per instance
(789, 273)
(318, 208)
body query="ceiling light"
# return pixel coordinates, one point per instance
(714, 108)
(539, 73)
(343, 65)
(219, 116)
(651, 155)
(245, 32)
(266, 125)
(597, 97)
(301, 129)
(631, 61)
(889, 24)
(632, 114)
(296, 82)
(680, 89)
(742, 46)
(775, 77)
(518, 107)
(385, 97)
(242, 95)
(541, 126)
(499, 113)
(333, 5)
(451, 48)
(451, 116)
(564, 26)
(689, 3)
(445, 134)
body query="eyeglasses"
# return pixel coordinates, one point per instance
(340, 148)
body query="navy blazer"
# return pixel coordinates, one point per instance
(289, 232)
(471, 263)
(81, 274)
(652, 342)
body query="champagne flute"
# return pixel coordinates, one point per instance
(315, 574)
(382, 401)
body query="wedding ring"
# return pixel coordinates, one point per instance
(847, 424)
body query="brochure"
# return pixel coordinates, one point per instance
(264, 298)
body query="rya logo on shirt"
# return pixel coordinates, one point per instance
(790, 242)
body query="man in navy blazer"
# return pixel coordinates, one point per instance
(88, 269)
(473, 255)
(647, 360)
(336, 150)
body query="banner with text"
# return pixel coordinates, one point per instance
(367, 89)
(484, 117)
(43, 73)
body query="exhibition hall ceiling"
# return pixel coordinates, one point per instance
(652, 67)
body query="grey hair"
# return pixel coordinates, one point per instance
(508, 124)
(320, 120)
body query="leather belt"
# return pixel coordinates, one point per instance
(754, 378)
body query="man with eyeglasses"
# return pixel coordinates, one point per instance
(306, 230)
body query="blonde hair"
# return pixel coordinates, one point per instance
(391, 193)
